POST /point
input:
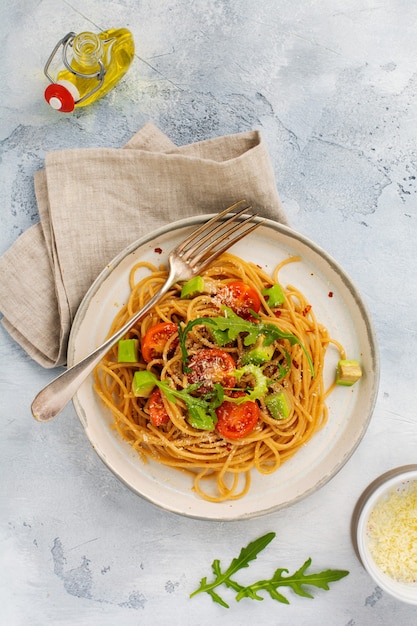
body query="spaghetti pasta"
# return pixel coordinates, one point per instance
(187, 369)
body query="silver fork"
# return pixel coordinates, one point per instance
(188, 259)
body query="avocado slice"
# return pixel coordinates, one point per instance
(258, 354)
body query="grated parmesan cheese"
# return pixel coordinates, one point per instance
(392, 533)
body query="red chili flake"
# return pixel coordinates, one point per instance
(277, 313)
(158, 250)
(306, 310)
(330, 294)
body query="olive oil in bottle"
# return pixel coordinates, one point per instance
(91, 66)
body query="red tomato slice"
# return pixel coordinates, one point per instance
(155, 339)
(157, 411)
(241, 298)
(235, 421)
(210, 366)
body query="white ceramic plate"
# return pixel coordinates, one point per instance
(337, 304)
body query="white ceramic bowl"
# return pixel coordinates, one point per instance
(399, 480)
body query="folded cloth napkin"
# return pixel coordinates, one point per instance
(94, 202)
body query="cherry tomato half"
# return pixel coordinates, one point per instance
(155, 339)
(210, 366)
(157, 411)
(235, 421)
(241, 298)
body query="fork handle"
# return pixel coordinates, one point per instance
(50, 401)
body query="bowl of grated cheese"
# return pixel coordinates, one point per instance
(384, 532)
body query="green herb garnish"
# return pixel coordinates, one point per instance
(224, 578)
(261, 382)
(296, 581)
(226, 329)
(201, 409)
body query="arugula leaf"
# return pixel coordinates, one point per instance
(246, 555)
(198, 415)
(261, 382)
(296, 581)
(201, 409)
(226, 329)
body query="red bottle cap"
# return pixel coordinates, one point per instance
(61, 96)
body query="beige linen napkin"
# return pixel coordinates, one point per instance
(94, 202)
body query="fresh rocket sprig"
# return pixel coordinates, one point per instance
(296, 581)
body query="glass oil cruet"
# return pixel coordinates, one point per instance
(90, 67)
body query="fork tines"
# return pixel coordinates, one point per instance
(210, 240)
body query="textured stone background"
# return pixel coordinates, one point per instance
(332, 86)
